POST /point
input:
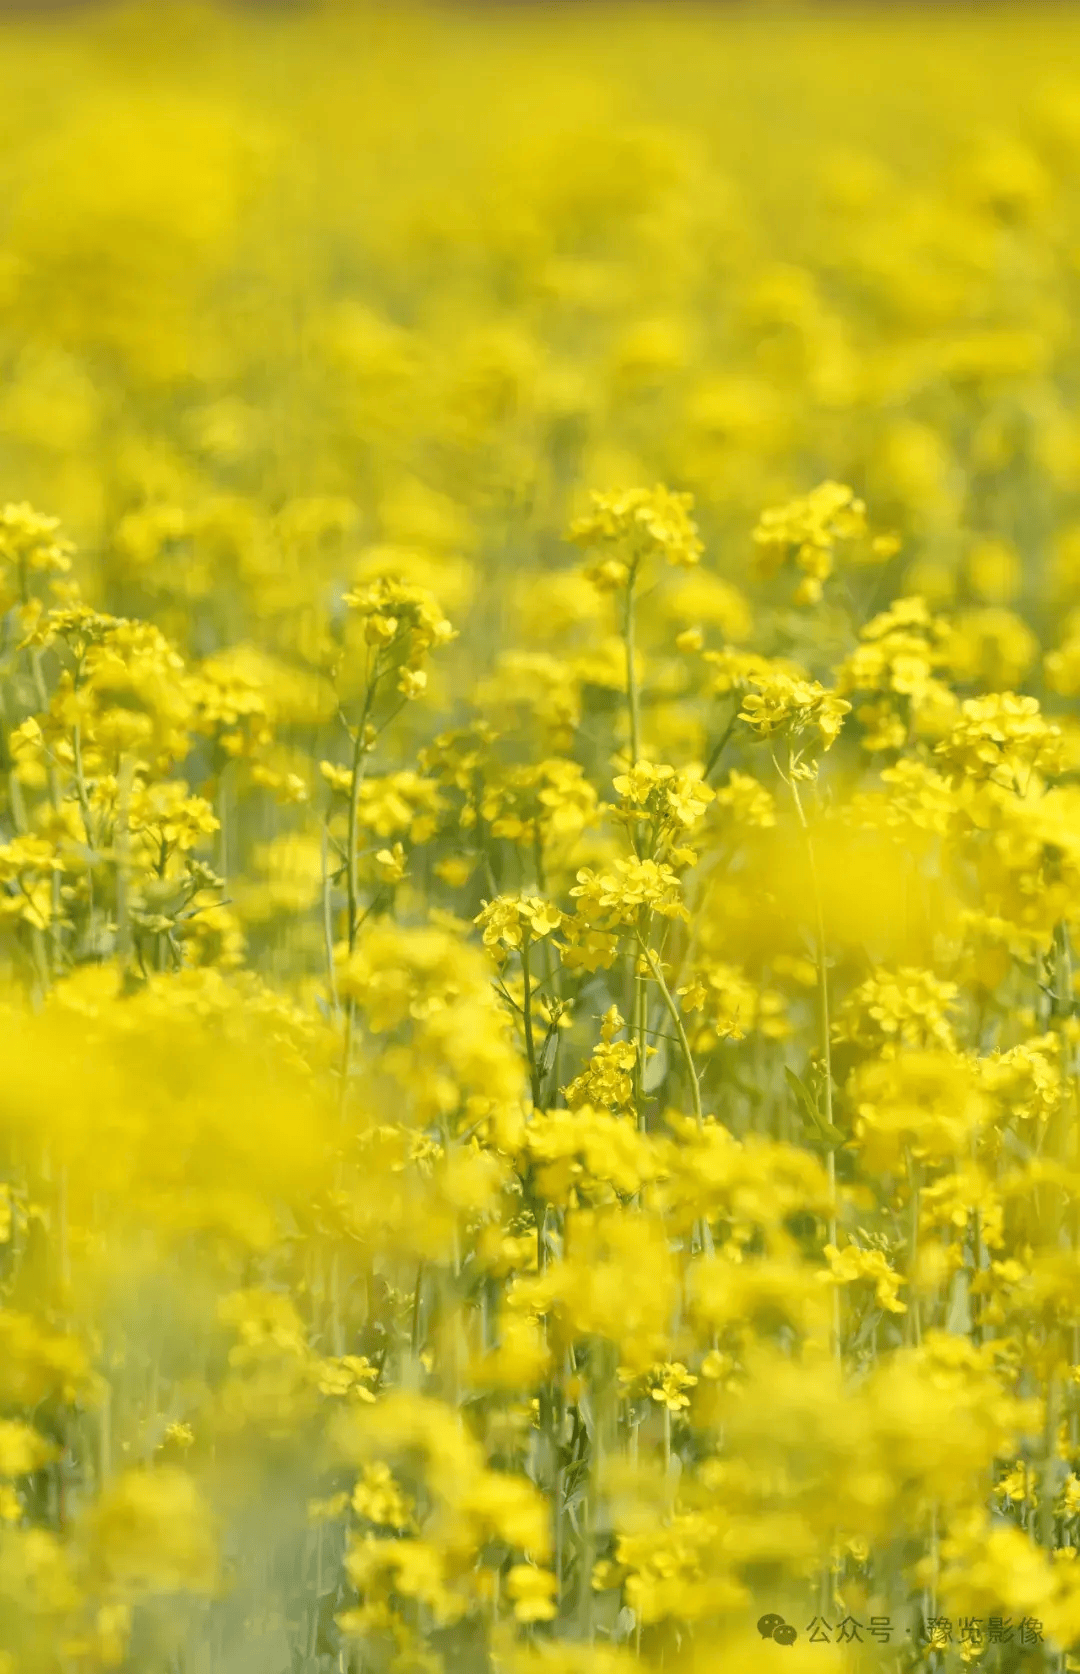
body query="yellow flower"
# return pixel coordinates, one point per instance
(781, 703)
(533, 1591)
(509, 922)
(673, 1382)
(813, 525)
(391, 864)
(852, 1263)
(750, 802)
(22, 1449)
(626, 528)
(894, 1009)
(154, 1532)
(1001, 737)
(378, 1498)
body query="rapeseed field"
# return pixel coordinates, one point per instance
(539, 840)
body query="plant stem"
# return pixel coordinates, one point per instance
(351, 879)
(530, 1043)
(676, 1018)
(914, 1312)
(1048, 1485)
(721, 743)
(631, 672)
(641, 1001)
(328, 922)
(823, 986)
(826, 1038)
(122, 848)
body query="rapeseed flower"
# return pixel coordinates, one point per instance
(539, 1012)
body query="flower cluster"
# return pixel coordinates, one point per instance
(811, 526)
(628, 528)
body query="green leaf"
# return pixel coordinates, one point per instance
(827, 1132)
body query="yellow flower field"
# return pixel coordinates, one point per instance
(539, 840)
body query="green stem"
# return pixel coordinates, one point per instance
(718, 748)
(122, 847)
(676, 1018)
(826, 1041)
(631, 672)
(914, 1312)
(361, 751)
(83, 795)
(530, 1042)
(222, 801)
(328, 923)
(1048, 1485)
(352, 885)
(641, 998)
(56, 799)
(823, 986)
